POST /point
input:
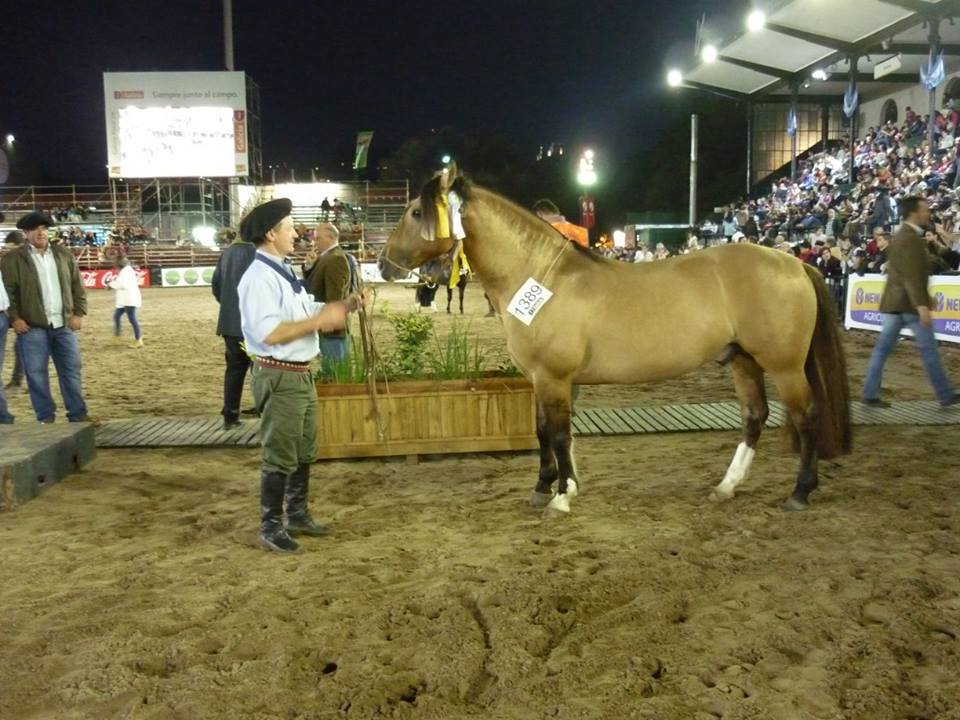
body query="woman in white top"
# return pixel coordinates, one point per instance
(128, 298)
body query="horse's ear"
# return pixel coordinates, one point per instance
(448, 177)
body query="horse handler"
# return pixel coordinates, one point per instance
(280, 321)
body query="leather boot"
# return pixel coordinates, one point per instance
(273, 536)
(299, 521)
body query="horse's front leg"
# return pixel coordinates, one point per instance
(556, 407)
(543, 492)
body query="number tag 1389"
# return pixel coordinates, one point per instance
(528, 301)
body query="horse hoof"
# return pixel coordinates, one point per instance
(552, 513)
(795, 505)
(539, 499)
(720, 494)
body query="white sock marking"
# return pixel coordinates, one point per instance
(738, 470)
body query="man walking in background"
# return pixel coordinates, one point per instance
(906, 303)
(14, 239)
(331, 279)
(231, 266)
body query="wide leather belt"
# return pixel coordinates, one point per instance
(288, 365)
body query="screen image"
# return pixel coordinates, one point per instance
(176, 124)
(172, 141)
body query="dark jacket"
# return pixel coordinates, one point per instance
(329, 279)
(907, 273)
(23, 286)
(231, 266)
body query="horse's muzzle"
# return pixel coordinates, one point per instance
(389, 270)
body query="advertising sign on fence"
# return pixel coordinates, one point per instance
(98, 279)
(371, 274)
(187, 276)
(863, 305)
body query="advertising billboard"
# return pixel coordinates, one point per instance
(176, 124)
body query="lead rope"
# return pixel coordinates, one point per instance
(371, 360)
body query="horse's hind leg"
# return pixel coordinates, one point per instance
(543, 492)
(449, 298)
(463, 289)
(798, 402)
(748, 381)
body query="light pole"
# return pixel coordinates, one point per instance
(587, 178)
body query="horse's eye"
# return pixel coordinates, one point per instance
(416, 214)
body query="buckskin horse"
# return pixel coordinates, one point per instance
(752, 308)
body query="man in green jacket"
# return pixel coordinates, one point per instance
(906, 303)
(329, 280)
(47, 307)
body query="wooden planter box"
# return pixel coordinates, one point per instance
(427, 417)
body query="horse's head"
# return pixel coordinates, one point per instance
(415, 241)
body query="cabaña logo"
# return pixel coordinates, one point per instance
(128, 94)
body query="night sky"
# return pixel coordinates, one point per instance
(535, 71)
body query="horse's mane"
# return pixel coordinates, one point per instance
(467, 191)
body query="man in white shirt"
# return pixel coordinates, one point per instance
(280, 321)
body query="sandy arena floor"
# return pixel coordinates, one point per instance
(135, 589)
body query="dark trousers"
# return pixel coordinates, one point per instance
(237, 364)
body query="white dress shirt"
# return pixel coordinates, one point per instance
(267, 298)
(46, 265)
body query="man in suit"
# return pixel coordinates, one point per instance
(231, 266)
(329, 280)
(47, 304)
(906, 303)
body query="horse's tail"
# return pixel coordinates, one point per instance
(826, 371)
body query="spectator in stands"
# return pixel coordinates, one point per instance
(14, 239)
(128, 299)
(906, 303)
(728, 224)
(330, 279)
(643, 253)
(231, 265)
(878, 262)
(47, 307)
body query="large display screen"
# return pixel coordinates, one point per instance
(176, 124)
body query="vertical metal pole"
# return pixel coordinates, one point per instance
(855, 120)
(934, 50)
(749, 187)
(228, 34)
(693, 170)
(794, 91)
(824, 127)
(159, 212)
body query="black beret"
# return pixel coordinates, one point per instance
(33, 220)
(264, 218)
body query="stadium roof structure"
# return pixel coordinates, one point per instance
(799, 37)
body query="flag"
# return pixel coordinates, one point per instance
(792, 120)
(851, 99)
(364, 138)
(932, 72)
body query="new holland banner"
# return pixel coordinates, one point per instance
(364, 138)
(863, 305)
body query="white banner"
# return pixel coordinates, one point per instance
(863, 305)
(371, 274)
